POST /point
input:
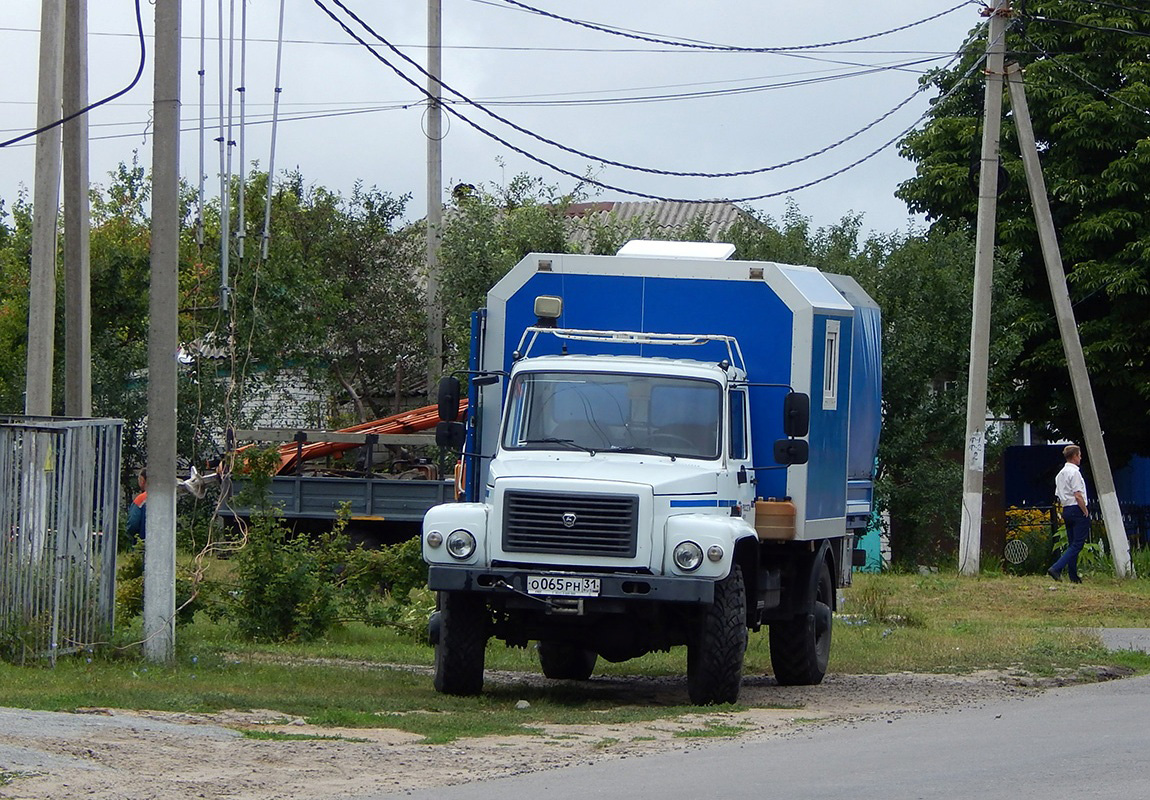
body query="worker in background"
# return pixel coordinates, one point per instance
(137, 513)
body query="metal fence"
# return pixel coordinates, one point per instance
(59, 517)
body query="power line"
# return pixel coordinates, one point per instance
(575, 151)
(501, 48)
(1116, 6)
(660, 98)
(1058, 63)
(98, 103)
(601, 184)
(1104, 28)
(551, 98)
(693, 45)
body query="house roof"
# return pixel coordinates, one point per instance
(717, 215)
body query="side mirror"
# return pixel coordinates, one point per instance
(791, 451)
(486, 380)
(797, 414)
(451, 435)
(448, 399)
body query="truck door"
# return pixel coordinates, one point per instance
(739, 452)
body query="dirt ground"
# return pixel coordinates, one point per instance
(107, 754)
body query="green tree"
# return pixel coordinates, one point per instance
(486, 231)
(15, 258)
(1087, 78)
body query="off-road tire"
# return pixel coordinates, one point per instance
(562, 661)
(462, 641)
(717, 645)
(801, 646)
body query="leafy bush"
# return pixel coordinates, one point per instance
(296, 588)
(286, 584)
(193, 593)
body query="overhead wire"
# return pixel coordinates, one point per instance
(1116, 6)
(223, 143)
(586, 178)
(499, 48)
(581, 153)
(69, 117)
(1060, 65)
(265, 238)
(1072, 23)
(203, 95)
(695, 45)
(242, 90)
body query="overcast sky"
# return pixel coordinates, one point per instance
(345, 116)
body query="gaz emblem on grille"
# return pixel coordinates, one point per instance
(569, 520)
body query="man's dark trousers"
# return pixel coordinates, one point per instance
(1077, 531)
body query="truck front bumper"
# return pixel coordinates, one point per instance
(612, 586)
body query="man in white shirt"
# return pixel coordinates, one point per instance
(1070, 489)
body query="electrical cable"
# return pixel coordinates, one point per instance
(1116, 6)
(241, 227)
(223, 143)
(203, 95)
(501, 48)
(296, 118)
(643, 37)
(275, 128)
(601, 184)
(1058, 63)
(664, 98)
(1040, 18)
(581, 153)
(98, 103)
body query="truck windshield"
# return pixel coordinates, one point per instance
(632, 413)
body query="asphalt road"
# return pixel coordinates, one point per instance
(1077, 742)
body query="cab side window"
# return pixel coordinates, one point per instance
(738, 425)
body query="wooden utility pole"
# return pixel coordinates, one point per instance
(45, 209)
(77, 272)
(970, 529)
(160, 544)
(1071, 344)
(434, 195)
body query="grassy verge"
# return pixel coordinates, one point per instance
(890, 623)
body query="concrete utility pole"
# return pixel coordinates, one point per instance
(1071, 344)
(160, 544)
(970, 528)
(45, 209)
(77, 271)
(434, 195)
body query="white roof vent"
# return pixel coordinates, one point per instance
(652, 248)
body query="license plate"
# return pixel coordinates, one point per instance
(563, 585)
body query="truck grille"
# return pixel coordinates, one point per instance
(577, 524)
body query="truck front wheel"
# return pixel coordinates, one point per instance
(462, 641)
(562, 661)
(717, 645)
(801, 646)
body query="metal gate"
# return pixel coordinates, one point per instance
(59, 517)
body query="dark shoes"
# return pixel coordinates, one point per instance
(1054, 576)
(1075, 580)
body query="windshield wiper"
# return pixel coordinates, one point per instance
(568, 442)
(645, 450)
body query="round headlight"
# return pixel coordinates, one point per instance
(688, 556)
(460, 544)
(434, 538)
(715, 553)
